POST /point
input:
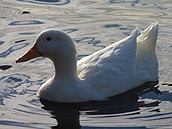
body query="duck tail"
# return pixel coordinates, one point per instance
(145, 56)
(148, 38)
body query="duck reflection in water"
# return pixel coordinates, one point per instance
(67, 114)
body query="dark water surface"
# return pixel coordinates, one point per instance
(93, 24)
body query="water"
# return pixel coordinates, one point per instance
(93, 25)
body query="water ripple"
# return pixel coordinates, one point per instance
(2, 42)
(111, 26)
(48, 2)
(12, 49)
(9, 85)
(70, 30)
(14, 80)
(88, 40)
(27, 33)
(5, 67)
(161, 115)
(26, 22)
(18, 124)
(124, 1)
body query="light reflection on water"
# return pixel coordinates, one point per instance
(93, 25)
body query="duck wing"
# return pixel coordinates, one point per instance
(112, 70)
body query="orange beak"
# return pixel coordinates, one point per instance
(31, 54)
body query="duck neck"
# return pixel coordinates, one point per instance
(66, 68)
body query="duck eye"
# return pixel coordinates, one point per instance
(48, 38)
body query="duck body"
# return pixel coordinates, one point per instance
(115, 69)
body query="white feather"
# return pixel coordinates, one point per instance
(113, 70)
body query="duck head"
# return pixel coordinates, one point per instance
(55, 45)
(52, 44)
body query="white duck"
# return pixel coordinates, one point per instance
(115, 69)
